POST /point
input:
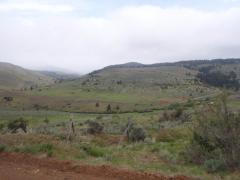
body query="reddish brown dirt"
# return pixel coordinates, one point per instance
(15, 166)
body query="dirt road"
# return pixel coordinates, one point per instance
(15, 166)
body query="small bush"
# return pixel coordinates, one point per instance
(36, 149)
(2, 148)
(137, 134)
(99, 117)
(167, 135)
(97, 104)
(20, 123)
(109, 108)
(46, 120)
(175, 115)
(46, 148)
(2, 126)
(94, 127)
(174, 106)
(213, 165)
(8, 98)
(94, 151)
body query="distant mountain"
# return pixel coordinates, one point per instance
(60, 75)
(15, 77)
(55, 69)
(127, 65)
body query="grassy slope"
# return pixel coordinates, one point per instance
(15, 77)
(131, 89)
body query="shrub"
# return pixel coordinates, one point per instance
(137, 134)
(36, 149)
(165, 117)
(2, 126)
(46, 148)
(117, 107)
(216, 136)
(174, 106)
(213, 165)
(94, 127)
(175, 115)
(97, 104)
(8, 98)
(99, 117)
(133, 133)
(109, 108)
(94, 151)
(46, 120)
(20, 123)
(2, 148)
(167, 135)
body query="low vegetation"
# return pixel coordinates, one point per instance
(17, 124)
(216, 138)
(164, 118)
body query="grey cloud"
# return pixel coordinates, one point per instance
(146, 34)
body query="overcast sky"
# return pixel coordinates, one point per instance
(84, 35)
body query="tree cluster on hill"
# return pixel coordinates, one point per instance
(195, 64)
(218, 79)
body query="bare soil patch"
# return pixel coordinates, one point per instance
(24, 166)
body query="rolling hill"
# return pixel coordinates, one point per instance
(160, 74)
(15, 77)
(127, 87)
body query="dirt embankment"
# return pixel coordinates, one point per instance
(15, 166)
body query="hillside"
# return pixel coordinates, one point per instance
(132, 87)
(125, 77)
(160, 74)
(15, 77)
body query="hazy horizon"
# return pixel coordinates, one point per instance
(82, 36)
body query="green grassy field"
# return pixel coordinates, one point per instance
(62, 97)
(163, 151)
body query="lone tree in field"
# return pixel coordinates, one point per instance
(20, 123)
(109, 108)
(97, 104)
(117, 107)
(216, 138)
(71, 129)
